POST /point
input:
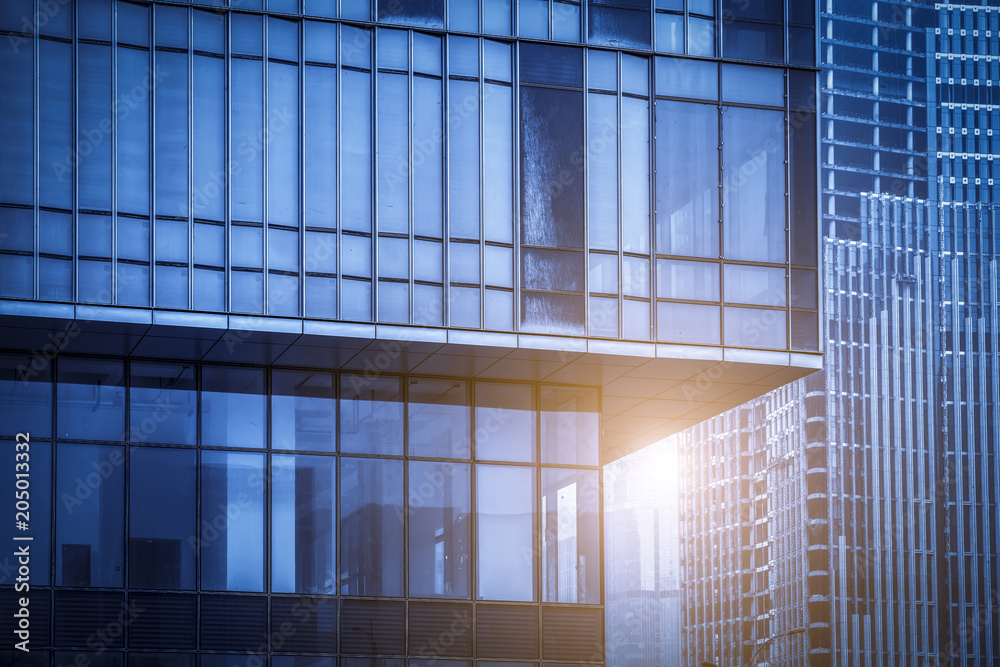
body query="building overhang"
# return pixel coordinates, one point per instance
(649, 390)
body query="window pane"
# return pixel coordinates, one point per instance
(570, 426)
(320, 146)
(162, 518)
(602, 186)
(758, 285)
(747, 327)
(40, 498)
(679, 279)
(247, 120)
(303, 524)
(505, 506)
(753, 191)
(371, 527)
(90, 483)
(427, 147)
(440, 505)
(463, 153)
(571, 567)
(687, 192)
(439, 418)
(26, 395)
(231, 540)
(91, 399)
(232, 407)
(162, 404)
(303, 411)
(677, 77)
(505, 422)
(393, 148)
(687, 323)
(371, 415)
(357, 149)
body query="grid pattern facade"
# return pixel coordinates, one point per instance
(965, 74)
(237, 513)
(230, 160)
(874, 105)
(888, 485)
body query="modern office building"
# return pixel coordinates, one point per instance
(323, 316)
(860, 502)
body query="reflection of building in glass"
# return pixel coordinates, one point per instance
(381, 286)
(641, 543)
(855, 502)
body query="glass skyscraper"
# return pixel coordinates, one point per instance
(323, 316)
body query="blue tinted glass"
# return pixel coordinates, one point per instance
(133, 69)
(232, 406)
(687, 323)
(635, 174)
(393, 49)
(320, 147)
(533, 19)
(162, 497)
(26, 392)
(753, 85)
(393, 151)
(602, 69)
(463, 15)
(619, 27)
(759, 285)
(427, 154)
(463, 56)
(552, 132)
(56, 116)
(570, 420)
(94, 110)
(753, 191)
(231, 534)
(571, 555)
(91, 399)
(90, 521)
(303, 524)
(357, 147)
(701, 37)
(248, 100)
(355, 44)
(172, 134)
(133, 239)
(321, 41)
(26, 469)
(371, 415)
(162, 403)
(208, 196)
(247, 34)
(680, 279)
(463, 154)
(439, 418)
(687, 199)
(547, 64)
(209, 289)
(676, 77)
(505, 516)
(440, 529)
(16, 151)
(424, 13)
(171, 27)
(505, 422)
(747, 327)
(209, 31)
(744, 40)
(283, 144)
(371, 527)
(282, 39)
(303, 411)
(496, 16)
(565, 22)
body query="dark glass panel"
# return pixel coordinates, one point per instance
(303, 411)
(162, 492)
(233, 409)
(421, 13)
(371, 527)
(231, 533)
(90, 515)
(163, 403)
(553, 65)
(802, 186)
(620, 28)
(744, 40)
(440, 529)
(91, 399)
(303, 524)
(26, 391)
(551, 179)
(545, 269)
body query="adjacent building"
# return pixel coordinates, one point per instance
(323, 317)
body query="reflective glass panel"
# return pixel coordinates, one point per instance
(29, 464)
(90, 521)
(440, 529)
(26, 395)
(505, 519)
(231, 533)
(91, 399)
(570, 425)
(505, 422)
(371, 415)
(233, 410)
(163, 403)
(571, 561)
(303, 524)
(162, 515)
(303, 411)
(439, 418)
(371, 527)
